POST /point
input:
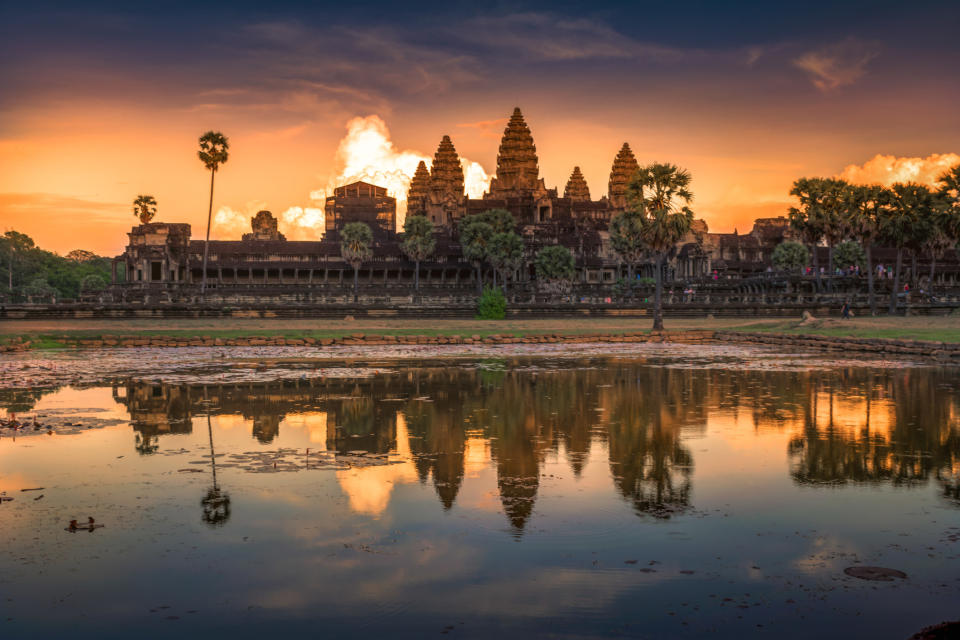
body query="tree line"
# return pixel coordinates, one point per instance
(30, 273)
(851, 219)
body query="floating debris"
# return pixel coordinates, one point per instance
(879, 574)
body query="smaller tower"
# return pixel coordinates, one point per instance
(576, 188)
(624, 168)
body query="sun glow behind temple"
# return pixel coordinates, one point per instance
(366, 153)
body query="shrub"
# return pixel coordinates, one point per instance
(492, 305)
(790, 256)
(849, 254)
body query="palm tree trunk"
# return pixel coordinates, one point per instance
(896, 282)
(416, 276)
(479, 281)
(356, 284)
(206, 243)
(933, 267)
(870, 293)
(658, 295)
(816, 266)
(914, 276)
(830, 267)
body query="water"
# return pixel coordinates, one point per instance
(628, 496)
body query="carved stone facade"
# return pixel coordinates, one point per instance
(361, 202)
(263, 227)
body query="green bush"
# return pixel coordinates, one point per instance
(492, 305)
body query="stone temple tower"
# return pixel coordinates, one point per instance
(418, 191)
(624, 167)
(576, 188)
(518, 173)
(446, 185)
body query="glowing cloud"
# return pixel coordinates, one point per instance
(887, 170)
(367, 153)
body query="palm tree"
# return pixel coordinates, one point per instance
(213, 153)
(15, 244)
(864, 206)
(556, 267)
(145, 207)
(475, 236)
(660, 193)
(506, 254)
(418, 243)
(819, 215)
(948, 213)
(909, 204)
(626, 238)
(356, 242)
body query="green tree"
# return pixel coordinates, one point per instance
(850, 254)
(909, 204)
(661, 194)
(145, 207)
(15, 246)
(38, 287)
(555, 267)
(626, 238)
(92, 283)
(81, 256)
(819, 216)
(862, 213)
(356, 245)
(501, 220)
(505, 254)
(475, 236)
(214, 151)
(790, 256)
(418, 243)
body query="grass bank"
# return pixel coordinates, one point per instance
(46, 334)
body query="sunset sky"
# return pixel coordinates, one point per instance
(102, 101)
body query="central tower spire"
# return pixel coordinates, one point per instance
(517, 168)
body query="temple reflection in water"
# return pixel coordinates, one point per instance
(845, 425)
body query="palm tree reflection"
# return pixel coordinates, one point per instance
(216, 502)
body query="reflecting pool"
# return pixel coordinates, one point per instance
(516, 496)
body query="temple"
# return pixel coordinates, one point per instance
(164, 257)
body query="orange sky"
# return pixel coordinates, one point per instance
(86, 135)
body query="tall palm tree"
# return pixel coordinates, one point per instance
(660, 193)
(145, 208)
(356, 242)
(475, 236)
(864, 205)
(213, 153)
(909, 204)
(948, 212)
(626, 238)
(418, 243)
(819, 215)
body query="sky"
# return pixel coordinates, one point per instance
(101, 102)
